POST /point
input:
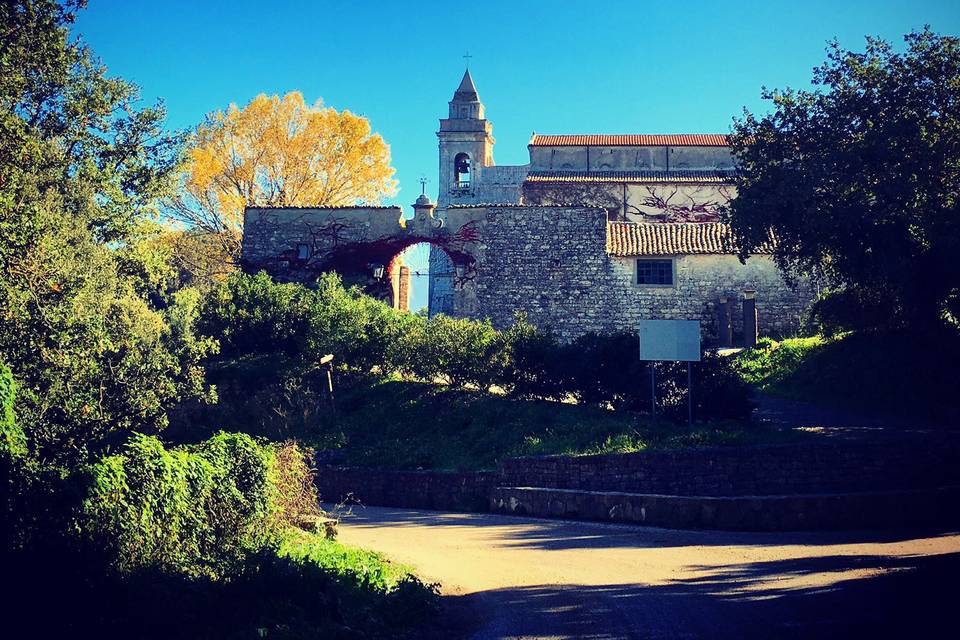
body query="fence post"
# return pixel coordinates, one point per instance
(750, 324)
(726, 322)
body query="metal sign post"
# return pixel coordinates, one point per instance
(674, 341)
(653, 388)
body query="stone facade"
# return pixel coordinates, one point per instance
(494, 252)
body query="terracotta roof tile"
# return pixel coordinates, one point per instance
(682, 175)
(642, 140)
(669, 238)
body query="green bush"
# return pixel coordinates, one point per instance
(458, 350)
(605, 370)
(254, 314)
(770, 363)
(200, 510)
(13, 443)
(850, 309)
(366, 335)
(534, 365)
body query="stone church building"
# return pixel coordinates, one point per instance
(595, 233)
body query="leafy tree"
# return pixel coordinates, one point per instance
(82, 166)
(859, 179)
(276, 152)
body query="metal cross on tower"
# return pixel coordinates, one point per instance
(423, 185)
(467, 57)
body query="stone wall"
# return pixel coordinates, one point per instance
(817, 512)
(628, 158)
(700, 281)
(738, 471)
(549, 262)
(440, 490)
(839, 485)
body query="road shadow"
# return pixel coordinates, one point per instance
(913, 599)
(544, 534)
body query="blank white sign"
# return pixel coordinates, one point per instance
(676, 340)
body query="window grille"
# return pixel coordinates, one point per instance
(658, 272)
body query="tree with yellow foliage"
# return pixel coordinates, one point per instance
(276, 152)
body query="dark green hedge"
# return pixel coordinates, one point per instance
(253, 316)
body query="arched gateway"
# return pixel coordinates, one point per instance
(360, 243)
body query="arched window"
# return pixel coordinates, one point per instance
(461, 171)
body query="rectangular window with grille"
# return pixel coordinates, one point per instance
(656, 272)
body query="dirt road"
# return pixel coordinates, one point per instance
(515, 578)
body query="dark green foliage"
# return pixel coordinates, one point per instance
(251, 316)
(456, 350)
(883, 374)
(199, 511)
(192, 542)
(535, 366)
(850, 309)
(316, 589)
(13, 442)
(410, 425)
(605, 369)
(859, 180)
(256, 315)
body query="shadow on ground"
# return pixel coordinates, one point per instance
(525, 532)
(914, 598)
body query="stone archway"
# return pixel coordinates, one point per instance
(360, 243)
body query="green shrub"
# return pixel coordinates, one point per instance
(457, 350)
(534, 362)
(770, 363)
(200, 510)
(605, 369)
(254, 314)
(13, 442)
(366, 335)
(851, 309)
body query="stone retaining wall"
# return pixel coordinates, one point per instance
(766, 488)
(757, 470)
(841, 511)
(439, 490)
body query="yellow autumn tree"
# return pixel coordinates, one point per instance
(276, 152)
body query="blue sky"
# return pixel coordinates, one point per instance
(551, 67)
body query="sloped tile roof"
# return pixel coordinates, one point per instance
(669, 238)
(682, 175)
(641, 140)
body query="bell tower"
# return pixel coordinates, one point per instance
(466, 146)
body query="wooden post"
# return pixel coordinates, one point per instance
(750, 323)
(726, 322)
(327, 362)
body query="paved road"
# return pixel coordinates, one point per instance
(506, 577)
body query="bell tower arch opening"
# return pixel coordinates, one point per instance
(461, 170)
